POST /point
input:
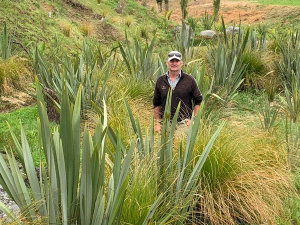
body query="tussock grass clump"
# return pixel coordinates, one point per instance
(87, 29)
(259, 71)
(243, 181)
(66, 28)
(255, 69)
(13, 75)
(113, 19)
(135, 89)
(104, 13)
(128, 21)
(142, 191)
(144, 32)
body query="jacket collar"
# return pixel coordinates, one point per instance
(181, 73)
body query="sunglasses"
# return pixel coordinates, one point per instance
(174, 54)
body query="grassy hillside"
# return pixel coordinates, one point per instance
(30, 22)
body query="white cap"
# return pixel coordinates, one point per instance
(174, 55)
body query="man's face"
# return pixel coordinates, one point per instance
(174, 65)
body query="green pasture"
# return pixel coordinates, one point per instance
(276, 2)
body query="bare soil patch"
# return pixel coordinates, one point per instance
(16, 100)
(234, 11)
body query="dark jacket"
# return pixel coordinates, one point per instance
(186, 91)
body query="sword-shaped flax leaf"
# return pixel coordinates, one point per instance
(86, 181)
(31, 174)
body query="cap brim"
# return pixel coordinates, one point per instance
(174, 57)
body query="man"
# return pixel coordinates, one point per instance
(185, 90)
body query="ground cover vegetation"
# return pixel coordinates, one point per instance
(279, 2)
(102, 163)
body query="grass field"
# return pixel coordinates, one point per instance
(26, 116)
(276, 2)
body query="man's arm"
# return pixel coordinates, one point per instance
(157, 112)
(196, 95)
(157, 118)
(196, 110)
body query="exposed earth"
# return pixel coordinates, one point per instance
(234, 11)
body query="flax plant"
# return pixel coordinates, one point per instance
(238, 44)
(82, 70)
(74, 188)
(140, 61)
(227, 74)
(185, 43)
(5, 43)
(258, 39)
(227, 69)
(192, 22)
(210, 99)
(181, 190)
(292, 98)
(290, 66)
(207, 21)
(268, 115)
(292, 137)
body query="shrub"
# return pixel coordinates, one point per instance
(216, 4)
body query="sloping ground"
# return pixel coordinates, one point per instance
(233, 11)
(33, 21)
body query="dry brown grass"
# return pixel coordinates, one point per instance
(87, 29)
(245, 179)
(66, 28)
(13, 75)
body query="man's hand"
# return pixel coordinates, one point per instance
(158, 128)
(188, 122)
